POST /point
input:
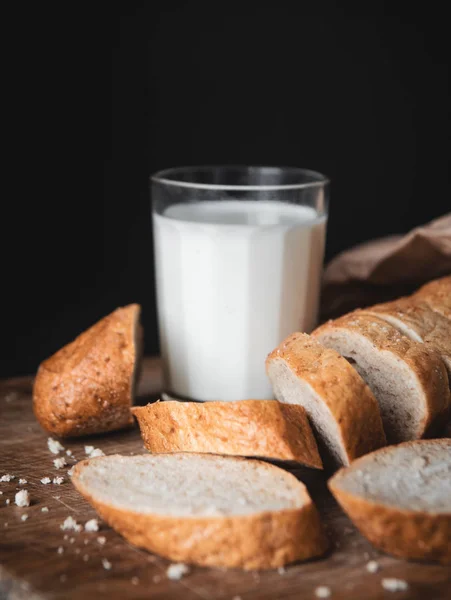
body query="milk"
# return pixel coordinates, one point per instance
(234, 278)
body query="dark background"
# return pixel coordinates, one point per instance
(101, 97)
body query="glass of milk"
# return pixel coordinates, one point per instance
(238, 258)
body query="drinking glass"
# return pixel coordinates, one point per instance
(238, 259)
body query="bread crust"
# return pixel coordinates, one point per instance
(437, 294)
(87, 386)
(349, 400)
(424, 361)
(428, 326)
(263, 540)
(410, 534)
(263, 428)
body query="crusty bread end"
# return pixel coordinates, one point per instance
(87, 387)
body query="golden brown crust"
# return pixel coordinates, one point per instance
(424, 362)
(263, 540)
(348, 398)
(428, 326)
(86, 387)
(404, 533)
(437, 294)
(264, 428)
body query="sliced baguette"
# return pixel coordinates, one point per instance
(262, 428)
(399, 497)
(342, 409)
(437, 294)
(88, 386)
(417, 321)
(205, 509)
(408, 379)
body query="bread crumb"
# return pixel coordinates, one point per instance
(58, 480)
(7, 477)
(54, 446)
(236, 598)
(70, 471)
(69, 452)
(92, 525)
(44, 509)
(93, 452)
(86, 557)
(7, 501)
(60, 462)
(176, 571)
(134, 580)
(71, 540)
(391, 584)
(5, 524)
(1, 493)
(22, 481)
(156, 578)
(22, 498)
(86, 542)
(60, 550)
(66, 537)
(322, 591)
(24, 517)
(77, 550)
(281, 570)
(101, 539)
(63, 578)
(372, 566)
(96, 452)
(46, 480)
(106, 564)
(70, 523)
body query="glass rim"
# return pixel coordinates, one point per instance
(317, 178)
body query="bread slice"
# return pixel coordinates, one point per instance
(263, 428)
(417, 321)
(399, 497)
(437, 294)
(205, 509)
(341, 408)
(408, 379)
(88, 386)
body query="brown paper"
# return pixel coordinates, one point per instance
(384, 269)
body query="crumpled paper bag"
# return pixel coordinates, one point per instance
(387, 268)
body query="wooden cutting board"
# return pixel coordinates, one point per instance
(32, 568)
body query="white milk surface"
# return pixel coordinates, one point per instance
(234, 278)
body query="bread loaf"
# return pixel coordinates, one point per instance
(408, 379)
(400, 498)
(342, 409)
(88, 386)
(204, 509)
(261, 428)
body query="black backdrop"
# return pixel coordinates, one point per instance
(101, 97)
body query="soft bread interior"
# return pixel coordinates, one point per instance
(401, 401)
(414, 476)
(290, 389)
(189, 485)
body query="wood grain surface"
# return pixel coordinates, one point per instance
(31, 567)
